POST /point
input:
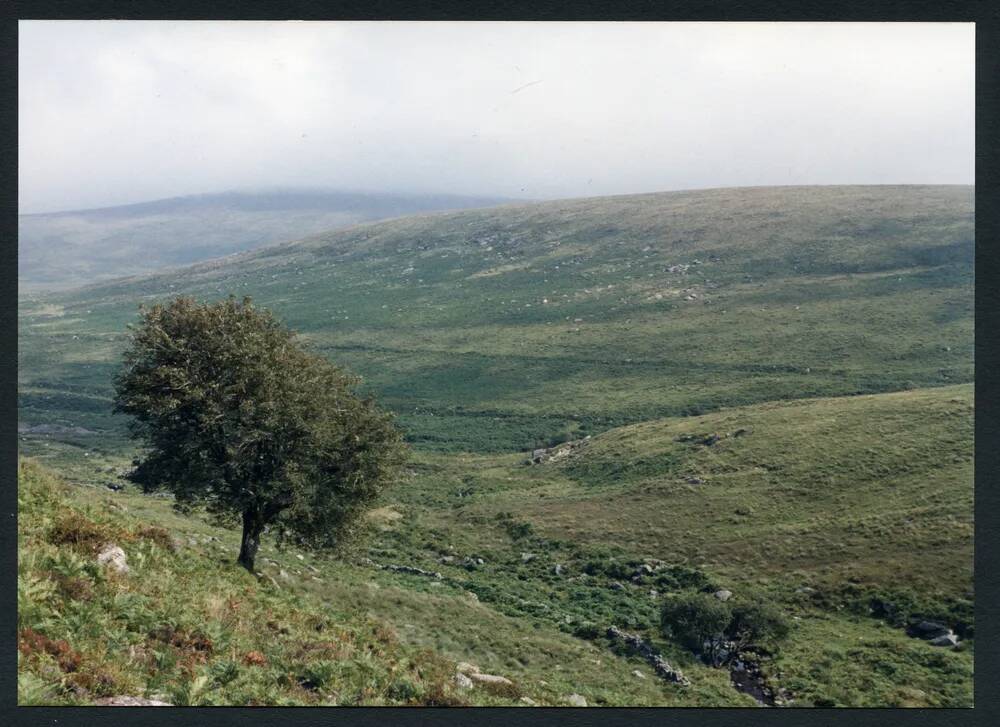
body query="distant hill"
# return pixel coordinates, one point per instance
(507, 328)
(62, 249)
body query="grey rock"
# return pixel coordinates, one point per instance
(113, 557)
(930, 629)
(462, 681)
(527, 557)
(648, 652)
(480, 678)
(948, 639)
(127, 701)
(723, 594)
(576, 700)
(412, 571)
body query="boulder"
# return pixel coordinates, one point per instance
(647, 651)
(948, 639)
(929, 629)
(127, 701)
(480, 678)
(462, 681)
(723, 594)
(527, 557)
(113, 557)
(464, 667)
(576, 700)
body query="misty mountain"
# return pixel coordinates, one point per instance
(62, 249)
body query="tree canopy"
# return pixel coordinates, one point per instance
(234, 414)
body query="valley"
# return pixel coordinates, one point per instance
(609, 402)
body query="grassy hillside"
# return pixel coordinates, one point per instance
(63, 249)
(766, 391)
(504, 329)
(850, 548)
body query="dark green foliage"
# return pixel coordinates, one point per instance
(695, 619)
(703, 623)
(236, 416)
(902, 607)
(757, 623)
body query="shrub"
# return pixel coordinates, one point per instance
(707, 625)
(695, 619)
(157, 535)
(73, 529)
(587, 631)
(757, 622)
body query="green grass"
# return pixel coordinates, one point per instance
(829, 347)
(186, 626)
(880, 513)
(802, 292)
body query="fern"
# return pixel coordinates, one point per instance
(34, 596)
(33, 691)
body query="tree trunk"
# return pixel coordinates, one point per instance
(252, 527)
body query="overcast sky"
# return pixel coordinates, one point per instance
(122, 111)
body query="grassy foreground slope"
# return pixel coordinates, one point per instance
(852, 515)
(503, 329)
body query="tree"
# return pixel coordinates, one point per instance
(719, 630)
(757, 622)
(235, 415)
(698, 620)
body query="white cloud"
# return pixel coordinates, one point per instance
(115, 111)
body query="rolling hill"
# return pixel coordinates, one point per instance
(610, 402)
(62, 249)
(509, 328)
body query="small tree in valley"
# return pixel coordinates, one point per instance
(235, 415)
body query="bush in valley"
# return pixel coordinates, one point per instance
(757, 622)
(236, 415)
(719, 629)
(587, 630)
(695, 620)
(901, 607)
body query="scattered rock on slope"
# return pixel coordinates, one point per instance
(127, 701)
(113, 557)
(648, 652)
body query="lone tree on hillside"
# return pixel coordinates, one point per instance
(234, 414)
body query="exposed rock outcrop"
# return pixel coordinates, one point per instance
(127, 701)
(648, 652)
